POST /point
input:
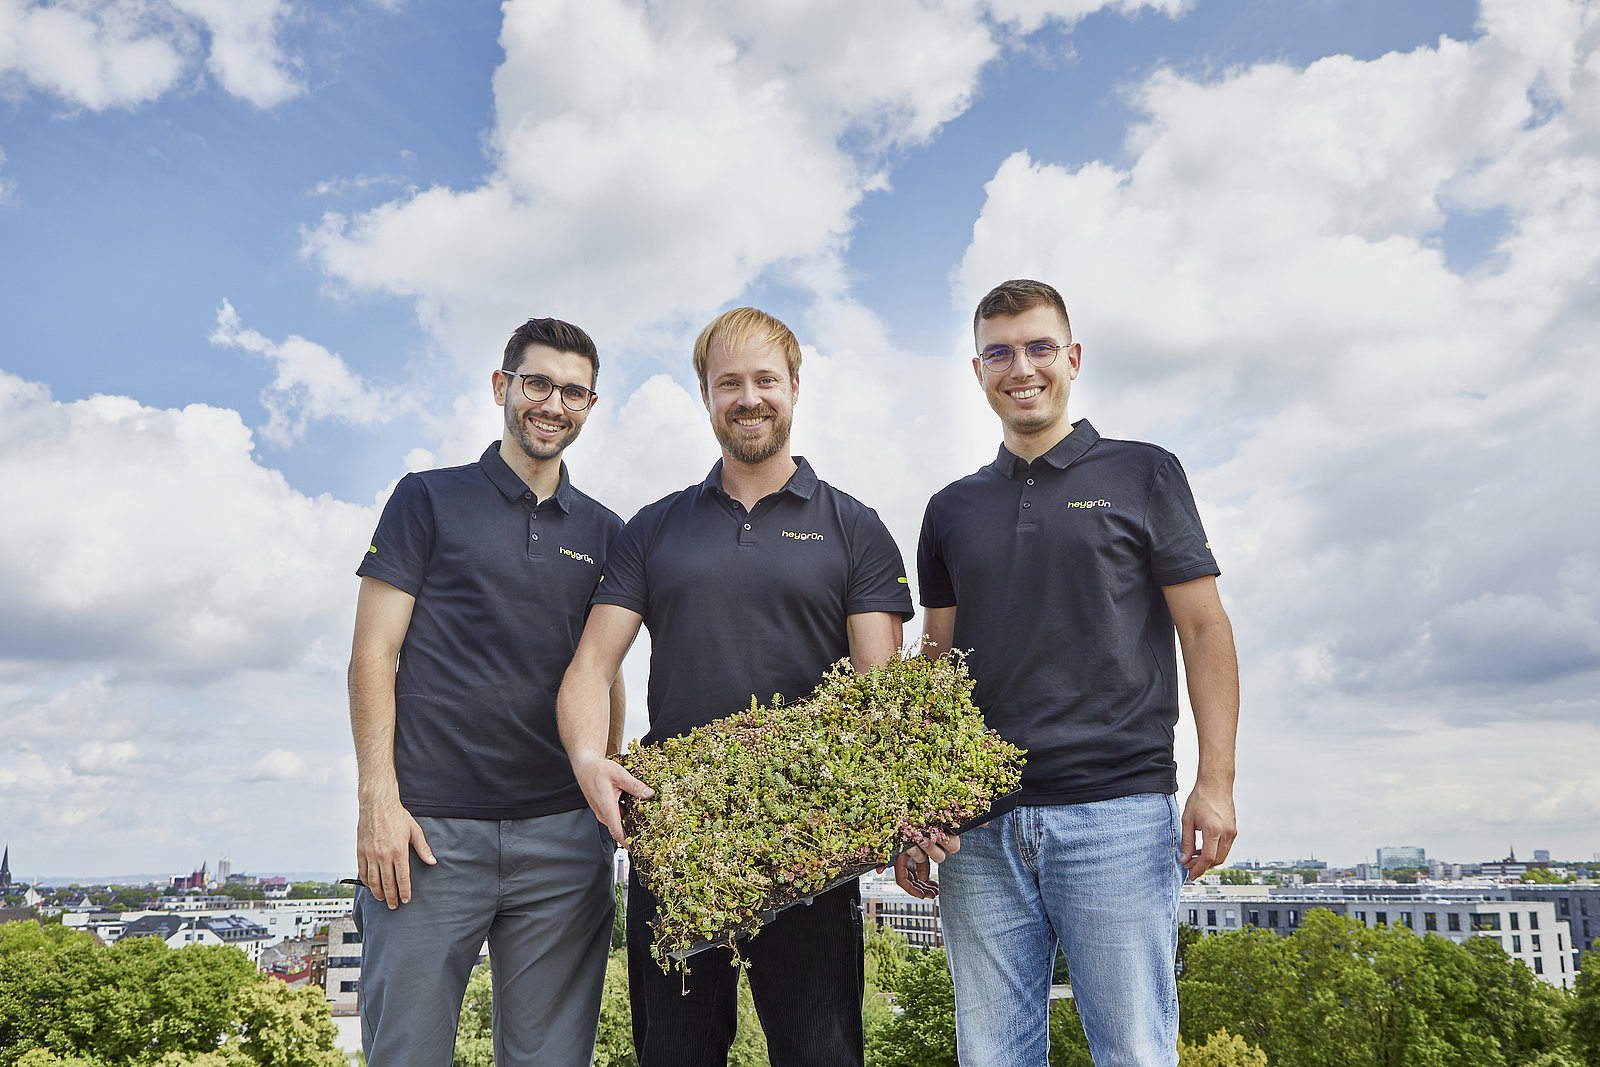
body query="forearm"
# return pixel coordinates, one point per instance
(619, 715)
(1212, 668)
(372, 715)
(583, 712)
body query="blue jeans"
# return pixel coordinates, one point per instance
(1102, 879)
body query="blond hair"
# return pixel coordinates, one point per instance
(740, 326)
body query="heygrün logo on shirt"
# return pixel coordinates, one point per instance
(1088, 503)
(579, 556)
(804, 536)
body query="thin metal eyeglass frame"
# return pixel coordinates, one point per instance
(589, 395)
(992, 360)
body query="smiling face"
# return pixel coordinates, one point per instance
(750, 396)
(544, 429)
(1031, 401)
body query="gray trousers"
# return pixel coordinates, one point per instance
(540, 891)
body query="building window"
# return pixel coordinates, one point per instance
(1486, 921)
(1361, 916)
(1533, 920)
(1559, 946)
(1516, 942)
(1405, 917)
(348, 987)
(1538, 965)
(1211, 916)
(1454, 921)
(1294, 918)
(1194, 916)
(1255, 918)
(1535, 942)
(1230, 918)
(352, 937)
(1566, 905)
(1515, 925)
(1430, 920)
(1272, 918)
(1583, 905)
(1381, 919)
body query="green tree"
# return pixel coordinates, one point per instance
(1221, 1049)
(1339, 994)
(66, 998)
(924, 1033)
(475, 1028)
(1586, 1009)
(619, 917)
(130, 898)
(1069, 1046)
(1233, 876)
(613, 1046)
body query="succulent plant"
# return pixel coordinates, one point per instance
(770, 805)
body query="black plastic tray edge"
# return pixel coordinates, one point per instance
(1001, 806)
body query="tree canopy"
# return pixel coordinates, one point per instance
(66, 999)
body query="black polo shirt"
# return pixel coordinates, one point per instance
(1055, 569)
(502, 588)
(742, 604)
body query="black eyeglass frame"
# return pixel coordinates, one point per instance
(530, 385)
(999, 358)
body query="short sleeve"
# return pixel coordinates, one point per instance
(1179, 551)
(934, 587)
(403, 541)
(877, 570)
(623, 581)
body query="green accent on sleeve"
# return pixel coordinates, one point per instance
(374, 548)
(902, 580)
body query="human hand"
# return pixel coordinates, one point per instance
(603, 782)
(912, 870)
(1208, 815)
(385, 835)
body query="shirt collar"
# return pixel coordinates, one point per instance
(1064, 453)
(802, 483)
(511, 484)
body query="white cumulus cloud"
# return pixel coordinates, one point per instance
(310, 383)
(100, 54)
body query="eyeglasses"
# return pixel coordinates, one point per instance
(537, 388)
(998, 358)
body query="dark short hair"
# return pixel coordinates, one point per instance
(1019, 295)
(552, 333)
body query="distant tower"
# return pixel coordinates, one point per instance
(5, 869)
(224, 869)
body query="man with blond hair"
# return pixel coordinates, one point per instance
(751, 583)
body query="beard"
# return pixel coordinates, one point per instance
(536, 447)
(753, 450)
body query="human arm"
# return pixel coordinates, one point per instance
(938, 630)
(385, 830)
(1206, 638)
(912, 870)
(619, 715)
(587, 712)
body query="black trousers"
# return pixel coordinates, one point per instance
(805, 975)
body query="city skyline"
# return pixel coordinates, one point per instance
(1338, 255)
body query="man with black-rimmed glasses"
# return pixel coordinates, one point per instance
(471, 826)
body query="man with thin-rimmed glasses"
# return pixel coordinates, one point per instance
(471, 826)
(1072, 568)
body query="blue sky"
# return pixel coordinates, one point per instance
(1339, 256)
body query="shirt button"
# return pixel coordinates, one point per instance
(747, 526)
(536, 537)
(1026, 504)
(1030, 481)
(527, 495)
